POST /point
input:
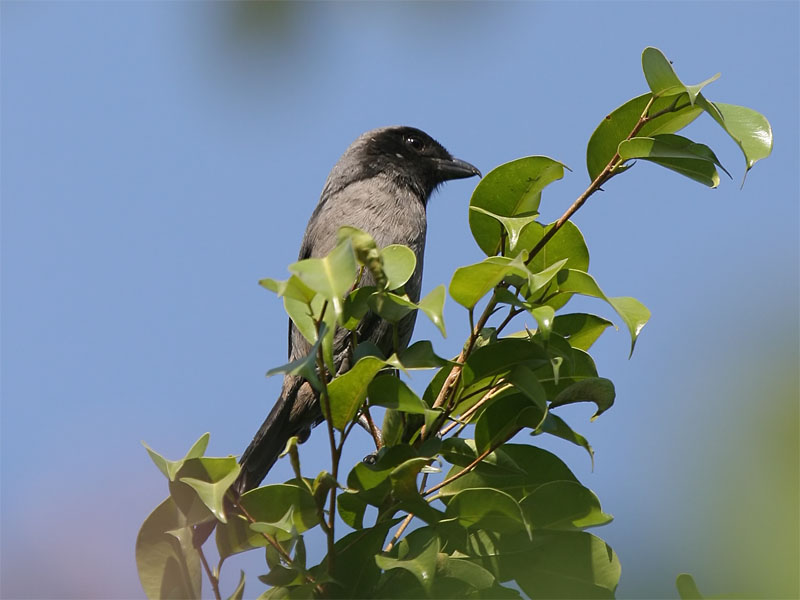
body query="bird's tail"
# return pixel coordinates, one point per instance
(268, 442)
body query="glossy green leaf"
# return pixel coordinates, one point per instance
(501, 357)
(633, 313)
(687, 588)
(510, 190)
(272, 505)
(391, 307)
(355, 307)
(514, 226)
(399, 263)
(351, 509)
(544, 316)
(371, 481)
(470, 284)
(347, 392)
(417, 554)
(392, 392)
(486, 508)
(238, 593)
(433, 307)
(516, 469)
(567, 244)
(331, 276)
(291, 288)
(563, 505)
(580, 329)
(598, 390)
(566, 564)
(662, 78)
(210, 478)
(167, 563)
(749, 129)
(170, 467)
(405, 488)
(419, 355)
(617, 126)
(677, 153)
(556, 426)
(467, 571)
(504, 417)
(355, 572)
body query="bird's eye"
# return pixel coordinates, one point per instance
(415, 142)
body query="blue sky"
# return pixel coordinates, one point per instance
(159, 158)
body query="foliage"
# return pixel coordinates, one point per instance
(493, 517)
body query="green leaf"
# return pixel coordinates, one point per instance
(501, 357)
(291, 288)
(465, 570)
(514, 226)
(695, 161)
(580, 329)
(596, 389)
(662, 78)
(167, 562)
(356, 305)
(516, 469)
(392, 392)
(347, 392)
(544, 316)
(210, 478)
(633, 313)
(555, 425)
(366, 252)
(563, 505)
(510, 190)
(566, 564)
(355, 570)
(405, 488)
(504, 417)
(419, 355)
(486, 508)
(617, 126)
(433, 307)
(351, 509)
(399, 263)
(471, 283)
(284, 506)
(687, 588)
(749, 129)
(391, 307)
(170, 467)
(371, 481)
(238, 593)
(417, 554)
(331, 276)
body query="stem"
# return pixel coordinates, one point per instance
(471, 465)
(399, 532)
(606, 174)
(214, 580)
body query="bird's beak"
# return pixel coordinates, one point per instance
(454, 168)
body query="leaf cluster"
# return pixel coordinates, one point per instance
(494, 515)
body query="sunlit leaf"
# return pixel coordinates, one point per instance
(392, 392)
(563, 505)
(210, 478)
(662, 79)
(417, 554)
(598, 390)
(555, 425)
(347, 392)
(510, 190)
(170, 467)
(486, 508)
(618, 125)
(581, 329)
(749, 129)
(168, 564)
(331, 276)
(433, 307)
(399, 263)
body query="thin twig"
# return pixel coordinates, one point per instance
(214, 580)
(399, 532)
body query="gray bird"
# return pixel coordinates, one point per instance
(381, 185)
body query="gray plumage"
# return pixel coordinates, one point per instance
(381, 185)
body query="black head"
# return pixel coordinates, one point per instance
(406, 155)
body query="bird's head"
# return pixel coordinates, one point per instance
(406, 155)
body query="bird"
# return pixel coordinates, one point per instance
(381, 185)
